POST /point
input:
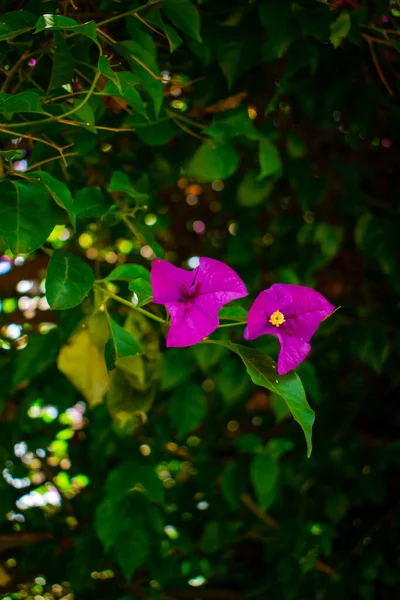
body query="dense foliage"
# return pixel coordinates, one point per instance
(261, 133)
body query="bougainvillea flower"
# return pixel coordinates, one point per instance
(194, 298)
(292, 313)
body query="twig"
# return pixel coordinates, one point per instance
(147, 314)
(149, 26)
(378, 67)
(189, 131)
(43, 162)
(32, 137)
(14, 69)
(273, 524)
(129, 12)
(233, 324)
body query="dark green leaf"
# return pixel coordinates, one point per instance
(16, 22)
(127, 90)
(252, 191)
(26, 215)
(146, 237)
(155, 133)
(143, 291)
(233, 485)
(89, 202)
(120, 182)
(264, 476)
(174, 39)
(187, 408)
(336, 507)
(262, 371)
(132, 550)
(68, 280)
(28, 102)
(63, 68)
(58, 191)
(151, 81)
(185, 16)
(58, 22)
(106, 70)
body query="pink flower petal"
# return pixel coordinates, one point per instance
(216, 276)
(167, 281)
(293, 352)
(188, 326)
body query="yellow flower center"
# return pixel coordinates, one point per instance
(277, 318)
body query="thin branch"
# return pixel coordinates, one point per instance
(189, 131)
(233, 324)
(149, 26)
(273, 524)
(129, 12)
(32, 137)
(43, 162)
(378, 67)
(147, 314)
(69, 112)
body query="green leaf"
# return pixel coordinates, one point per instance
(120, 182)
(336, 507)
(129, 272)
(120, 345)
(126, 477)
(128, 82)
(25, 102)
(10, 155)
(262, 371)
(63, 68)
(104, 68)
(264, 476)
(185, 16)
(107, 527)
(233, 313)
(270, 161)
(187, 408)
(339, 29)
(58, 22)
(58, 191)
(89, 202)
(133, 548)
(68, 280)
(233, 484)
(143, 291)
(252, 191)
(156, 133)
(238, 53)
(276, 17)
(153, 86)
(26, 215)
(214, 160)
(146, 237)
(174, 39)
(15, 23)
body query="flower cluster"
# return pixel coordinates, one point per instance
(193, 299)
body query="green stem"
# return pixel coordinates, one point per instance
(128, 304)
(173, 113)
(68, 113)
(126, 14)
(232, 324)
